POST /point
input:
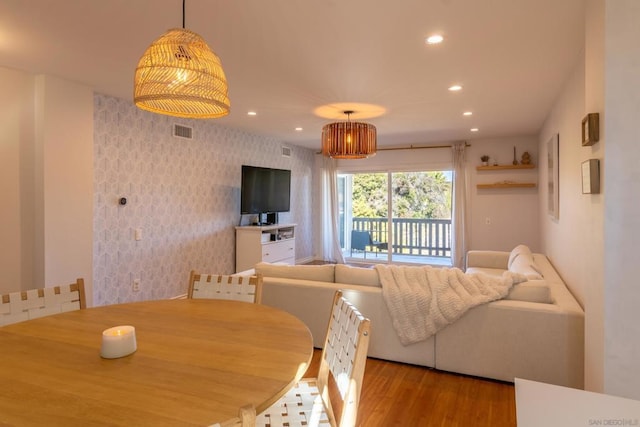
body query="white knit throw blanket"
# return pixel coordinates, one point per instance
(422, 300)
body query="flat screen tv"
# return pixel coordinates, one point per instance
(264, 190)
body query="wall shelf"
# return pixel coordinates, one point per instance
(508, 185)
(503, 167)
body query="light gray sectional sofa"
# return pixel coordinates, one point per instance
(535, 333)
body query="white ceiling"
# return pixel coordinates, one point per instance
(285, 58)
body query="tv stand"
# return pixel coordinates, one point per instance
(268, 243)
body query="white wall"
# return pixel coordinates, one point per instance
(64, 143)
(407, 160)
(46, 175)
(622, 212)
(574, 242)
(593, 273)
(570, 242)
(594, 243)
(502, 218)
(16, 181)
(567, 241)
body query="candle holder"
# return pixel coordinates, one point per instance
(118, 341)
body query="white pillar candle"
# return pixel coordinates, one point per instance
(118, 341)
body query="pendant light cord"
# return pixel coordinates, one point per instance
(348, 113)
(183, 4)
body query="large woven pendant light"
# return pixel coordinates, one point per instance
(349, 140)
(179, 75)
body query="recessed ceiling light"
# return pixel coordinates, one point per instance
(299, 129)
(455, 88)
(434, 39)
(467, 113)
(252, 113)
(474, 129)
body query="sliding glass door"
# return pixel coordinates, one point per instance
(402, 217)
(421, 217)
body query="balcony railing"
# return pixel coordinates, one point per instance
(419, 237)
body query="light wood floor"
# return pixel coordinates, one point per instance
(396, 394)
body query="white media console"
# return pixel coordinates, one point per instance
(268, 243)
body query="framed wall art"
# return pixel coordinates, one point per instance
(591, 176)
(590, 129)
(553, 175)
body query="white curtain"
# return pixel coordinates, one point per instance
(331, 250)
(459, 240)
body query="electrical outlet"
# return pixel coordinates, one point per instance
(487, 221)
(135, 286)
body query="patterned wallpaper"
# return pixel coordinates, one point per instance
(184, 195)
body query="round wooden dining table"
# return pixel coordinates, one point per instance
(197, 362)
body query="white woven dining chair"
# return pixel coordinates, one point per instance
(344, 355)
(19, 306)
(246, 418)
(237, 288)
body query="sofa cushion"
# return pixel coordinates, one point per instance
(320, 273)
(531, 291)
(356, 275)
(521, 261)
(534, 291)
(488, 259)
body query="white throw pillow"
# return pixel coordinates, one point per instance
(516, 252)
(357, 275)
(521, 261)
(320, 273)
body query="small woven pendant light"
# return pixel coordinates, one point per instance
(349, 140)
(180, 76)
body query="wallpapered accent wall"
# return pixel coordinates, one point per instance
(184, 195)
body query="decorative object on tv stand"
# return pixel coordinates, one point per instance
(591, 176)
(180, 76)
(526, 158)
(515, 162)
(485, 160)
(590, 129)
(349, 140)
